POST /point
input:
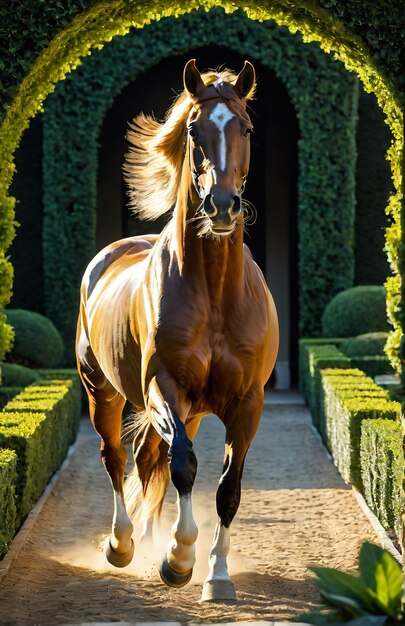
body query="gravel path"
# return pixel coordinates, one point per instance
(295, 511)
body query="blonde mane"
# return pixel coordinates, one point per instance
(153, 168)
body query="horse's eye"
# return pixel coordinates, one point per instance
(192, 131)
(247, 131)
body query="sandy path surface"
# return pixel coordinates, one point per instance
(295, 511)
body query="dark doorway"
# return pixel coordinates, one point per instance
(271, 186)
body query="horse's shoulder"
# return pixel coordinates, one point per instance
(129, 247)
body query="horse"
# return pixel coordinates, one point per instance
(181, 324)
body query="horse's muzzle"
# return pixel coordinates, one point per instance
(222, 209)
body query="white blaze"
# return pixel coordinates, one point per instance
(220, 116)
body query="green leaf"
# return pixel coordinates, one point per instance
(320, 618)
(381, 572)
(353, 607)
(369, 620)
(333, 581)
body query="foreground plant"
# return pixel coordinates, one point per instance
(372, 599)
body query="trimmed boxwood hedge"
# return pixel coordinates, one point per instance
(368, 344)
(315, 354)
(373, 365)
(7, 393)
(37, 342)
(39, 424)
(356, 311)
(342, 401)
(8, 481)
(346, 402)
(14, 375)
(312, 358)
(382, 469)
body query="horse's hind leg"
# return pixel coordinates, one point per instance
(105, 406)
(240, 427)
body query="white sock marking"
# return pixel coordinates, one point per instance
(219, 551)
(220, 116)
(181, 549)
(121, 526)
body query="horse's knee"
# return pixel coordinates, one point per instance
(183, 464)
(114, 460)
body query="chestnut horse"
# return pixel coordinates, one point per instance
(180, 324)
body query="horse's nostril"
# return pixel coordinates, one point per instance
(236, 205)
(209, 206)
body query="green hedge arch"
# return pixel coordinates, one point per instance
(103, 21)
(326, 206)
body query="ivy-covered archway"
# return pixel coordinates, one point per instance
(93, 28)
(325, 102)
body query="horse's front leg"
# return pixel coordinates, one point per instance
(169, 415)
(241, 427)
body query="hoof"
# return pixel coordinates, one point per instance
(119, 559)
(172, 578)
(218, 591)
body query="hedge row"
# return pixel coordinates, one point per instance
(359, 424)
(345, 400)
(382, 473)
(317, 354)
(8, 481)
(38, 425)
(7, 393)
(312, 358)
(372, 365)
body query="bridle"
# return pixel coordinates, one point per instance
(211, 93)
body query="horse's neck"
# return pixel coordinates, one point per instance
(215, 265)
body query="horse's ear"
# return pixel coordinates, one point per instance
(192, 78)
(245, 82)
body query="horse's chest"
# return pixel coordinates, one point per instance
(206, 361)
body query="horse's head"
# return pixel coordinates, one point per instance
(219, 143)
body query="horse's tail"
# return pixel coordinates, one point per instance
(144, 494)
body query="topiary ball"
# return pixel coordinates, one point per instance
(369, 344)
(356, 311)
(13, 375)
(37, 342)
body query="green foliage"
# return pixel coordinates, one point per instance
(382, 469)
(70, 218)
(371, 599)
(372, 365)
(373, 188)
(14, 375)
(356, 311)
(354, 414)
(369, 344)
(7, 393)
(366, 40)
(312, 358)
(8, 479)
(37, 342)
(26, 249)
(6, 335)
(39, 424)
(344, 402)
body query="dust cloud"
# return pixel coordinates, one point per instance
(90, 555)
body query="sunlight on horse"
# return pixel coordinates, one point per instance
(180, 324)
